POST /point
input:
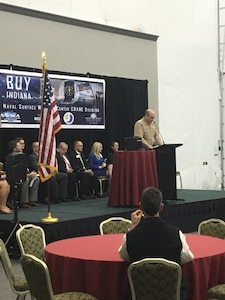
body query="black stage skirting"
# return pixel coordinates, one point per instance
(83, 217)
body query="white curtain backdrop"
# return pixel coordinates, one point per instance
(187, 68)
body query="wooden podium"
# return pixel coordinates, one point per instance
(166, 167)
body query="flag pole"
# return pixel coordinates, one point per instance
(49, 218)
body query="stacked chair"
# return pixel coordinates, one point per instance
(114, 225)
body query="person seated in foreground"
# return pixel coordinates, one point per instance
(146, 226)
(114, 148)
(150, 237)
(4, 192)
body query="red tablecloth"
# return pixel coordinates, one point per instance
(133, 171)
(91, 264)
(88, 264)
(208, 267)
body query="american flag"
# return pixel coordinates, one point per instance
(50, 124)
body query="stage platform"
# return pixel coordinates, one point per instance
(83, 217)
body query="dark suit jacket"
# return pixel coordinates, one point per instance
(76, 163)
(33, 162)
(61, 163)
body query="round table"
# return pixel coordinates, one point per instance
(91, 264)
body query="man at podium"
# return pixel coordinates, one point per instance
(147, 130)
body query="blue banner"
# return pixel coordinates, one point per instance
(80, 101)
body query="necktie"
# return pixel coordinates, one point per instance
(68, 165)
(81, 160)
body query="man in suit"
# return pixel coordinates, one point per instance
(57, 183)
(65, 166)
(88, 181)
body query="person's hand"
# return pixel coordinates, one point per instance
(2, 175)
(32, 174)
(89, 171)
(136, 218)
(103, 165)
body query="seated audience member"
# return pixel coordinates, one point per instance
(33, 165)
(150, 236)
(97, 163)
(114, 148)
(96, 160)
(65, 166)
(4, 192)
(84, 174)
(21, 140)
(29, 188)
(57, 183)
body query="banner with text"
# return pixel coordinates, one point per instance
(80, 101)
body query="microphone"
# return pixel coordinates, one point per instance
(159, 132)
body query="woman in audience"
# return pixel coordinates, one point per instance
(96, 161)
(4, 192)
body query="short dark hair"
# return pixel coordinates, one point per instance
(151, 199)
(113, 142)
(12, 145)
(19, 138)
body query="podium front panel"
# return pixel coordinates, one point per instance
(166, 168)
(133, 171)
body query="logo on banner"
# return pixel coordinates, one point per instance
(68, 118)
(10, 117)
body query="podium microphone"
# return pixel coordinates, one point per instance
(159, 133)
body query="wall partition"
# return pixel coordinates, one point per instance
(126, 59)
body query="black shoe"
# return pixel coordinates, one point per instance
(98, 195)
(93, 196)
(34, 203)
(42, 202)
(56, 201)
(85, 197)
(24, 205)
(66, 200)
(74, 198)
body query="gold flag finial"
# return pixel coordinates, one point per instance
(44, 57)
